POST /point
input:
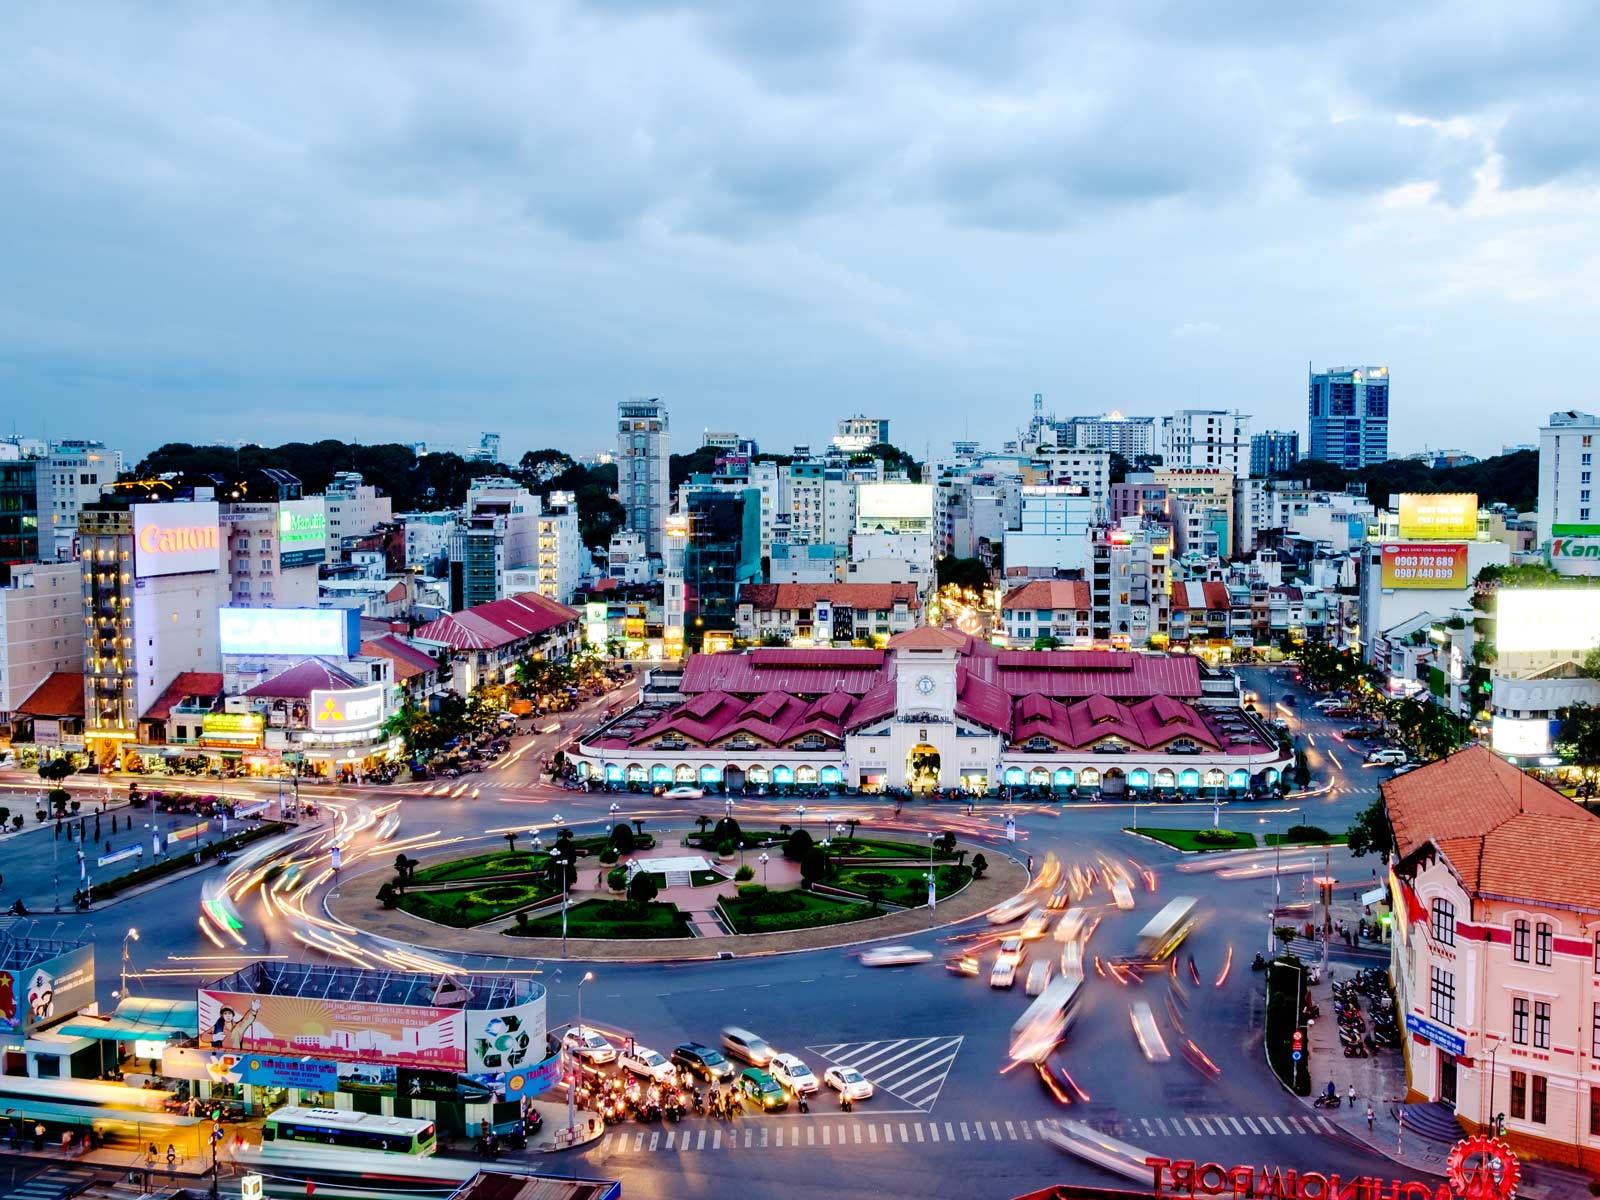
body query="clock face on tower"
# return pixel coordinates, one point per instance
(925, 684)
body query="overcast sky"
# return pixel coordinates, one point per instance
(413, 220)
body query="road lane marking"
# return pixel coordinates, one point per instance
(933, 1130)
(1010, 1131)
(749, 1134)
(977, 1128)
(701, 1144)
(995, 1125)
(669, 1139)
(1327, 1125)
(777, 1137)
(1236, 1124)
(1252, 1125)
(638, 1140)
(1281, 1125)
(811, 1135)
(872, 1134)
(858, 1135)
(655, 1139)
(716, 1139)
(860, 1060)
(949, 1133)
(1206, 1125)
(1192, 1126)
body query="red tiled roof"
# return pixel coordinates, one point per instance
(188, 683)
(738, 672)
(785, 657)
(928, 637)
(300, 680)
(1117, 673)
(1500, 830)
(498, 623)
(409, 662)
(785, 597)
(59, 694)
(1049, 594)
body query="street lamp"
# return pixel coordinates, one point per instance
(572, 1080)
(614, 811)
(801, 809)
(933, 899)
(727, 807)
(764, 860)
(131, 936)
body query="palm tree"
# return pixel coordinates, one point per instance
(511, 841)
(852, 822)
(702, 822)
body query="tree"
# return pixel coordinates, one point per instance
(980, 864)
(893, 459)
(798, 846)
(813, 866)
(642, 888)
(1046, 642)
(622, 838)
(511, 841)
(1371, 833)
(727, 830)
(58, 800)
(701, 822)
(415, 727)
(875, 897)
(852, 822)
(56, 769)
(1302, 769)
(962, 572)
(946, 842)
(1578, 741)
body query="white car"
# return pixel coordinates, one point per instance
(1038, 976)
(647, 1062)
(1035, 924)
(1386, 757)
(893, 956)
(848, 1081)
(1004, 972)
(589, 1045)
(788, 1070)
(1010, 950)
(684, 792)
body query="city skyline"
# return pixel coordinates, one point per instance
(810, 214)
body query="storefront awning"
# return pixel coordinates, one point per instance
(113, 1030)
(181, 1015)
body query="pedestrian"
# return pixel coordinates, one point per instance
(38, 1135)
(1350, 1095)
(12, 1134)
(1371, 1116)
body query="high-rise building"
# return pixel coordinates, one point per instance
(354, 509)
(857, 433)
(1273, 451)
(560, 548)
(721, 551)
(274, 549)
(41, 628)
(1567, 448)
(488, 449)
(1206, 439)
(1200, 501)
(19, 515)
(497, 533)
(643, 446)
(70, 476)
(1128, 436)
(1349, 409)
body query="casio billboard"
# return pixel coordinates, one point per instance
(292, 631)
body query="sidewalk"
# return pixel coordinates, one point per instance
(1380, 1081)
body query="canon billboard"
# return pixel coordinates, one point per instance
(180, 538)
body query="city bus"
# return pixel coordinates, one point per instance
(1166, 930)
(87, 1102)
(340, 1173)
(1045, 1021)
(289, 1130)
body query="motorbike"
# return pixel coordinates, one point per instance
(1355, 1050)
(1326, 1100)
(1258, 963)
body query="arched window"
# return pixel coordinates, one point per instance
(1444, 922)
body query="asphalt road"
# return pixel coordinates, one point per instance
(934, 1042)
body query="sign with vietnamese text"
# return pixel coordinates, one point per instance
(531, 1083)
(266, 1070)
(297, 632)
(1447, 517)
(177, 538)
(400, 1035)
(1447, 1040)
(347, 711)
(1435, 565)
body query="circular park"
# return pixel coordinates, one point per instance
(715, 889)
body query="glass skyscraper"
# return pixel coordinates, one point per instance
(1349, 409)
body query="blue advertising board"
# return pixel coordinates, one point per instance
(535, 1080)
(271, 1071)
(1447, 1040)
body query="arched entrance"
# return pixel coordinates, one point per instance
(1115, 783)
(922, 768)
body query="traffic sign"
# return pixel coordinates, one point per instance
(1296, 1056)
(251, 1187)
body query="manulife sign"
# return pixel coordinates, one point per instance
(302, 533)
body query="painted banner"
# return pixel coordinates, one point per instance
(273, 1071)
(1435, 565)
(531, 1083)
(366, 1077)
(505, 1039)
(191, 1062)
(116, 856)
(341, 1030)
(1448, 517)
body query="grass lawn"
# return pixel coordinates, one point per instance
(1335, 839)
(466, 907)
(1190, 839)
(777, 911)
(750, 837)
(609, 919)
(480, 866)
(875, 848)
(904, 886)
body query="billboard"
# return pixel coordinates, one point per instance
(894, 502)
(348, 711)
(1570, 555)
(1524, 738)
(505, 1039)
(1452, 516)
(1436, 565)
(400, 1035)
(176, 539)
(51, 991)
(1544, 619)
(301, 632)
(302, 532)
(275, 1070)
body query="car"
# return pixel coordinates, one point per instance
(789, 1070)
(1061, 897)
(762, 1090)
(1037, 922)
(962, 964)
(1004, 972)
(1278, 723)
(703, 1061)
(642, 1060)
(848, 1081)
(893, 956)
(684, 792)
(1038, 977)
(1405, 767)
(1341, 711)
(589, 1045)
(1386, 757)
(1011, 949)
(742, 1044)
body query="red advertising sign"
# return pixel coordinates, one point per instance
(398, 1035)
(1436, 565)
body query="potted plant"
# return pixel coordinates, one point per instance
(726, 850)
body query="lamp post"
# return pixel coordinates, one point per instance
(801, 809)
(727, 807)
(764, 860)
(614, 811)
(572, 1080)
(933, 899)
(131, 936)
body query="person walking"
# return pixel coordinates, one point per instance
(1371, 1117)
(1350, 1095)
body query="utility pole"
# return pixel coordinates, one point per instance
(1327, 905)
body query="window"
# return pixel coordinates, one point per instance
(1519, 1020)
(1594, 1111)
(1543, 938)
(1594, 1041)
(1536, 1108)
(1443, 996)
(1519, 1094)
(1519, 941)
(1541, 1024)
(1444, 922)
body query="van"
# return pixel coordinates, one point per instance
(746, 1046)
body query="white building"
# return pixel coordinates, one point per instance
(855, 434)
(1086, 469)
(274, 550)
(1203, 437)
(41, 628)
(626, 560)
(354, 509)
(559, 550)
(823, 562)
(1054, 533)
(893, 540)
(428, 539)
(643, 448)
(1566, 473)
(70, 476)
(1128, 436)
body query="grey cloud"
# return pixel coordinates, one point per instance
(1557, 139)
(1373, 154)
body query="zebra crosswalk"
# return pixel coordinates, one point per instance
(912, 1070)
(811, 1132)
(53, 1183)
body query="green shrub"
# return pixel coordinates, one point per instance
(727, 849)
(872, 879)
(1215, 837)
(1307, 833)
(617, 878)
(608, 855)
(743, 873)
(980, 864)
(622, 838)
(798, 846)
(749, 891)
